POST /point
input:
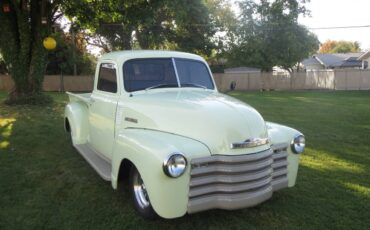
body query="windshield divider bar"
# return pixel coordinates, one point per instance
(177, 75)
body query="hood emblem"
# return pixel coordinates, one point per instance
(250, 143)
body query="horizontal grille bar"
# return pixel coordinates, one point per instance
(220, 168)
(279, 182)
(209, 179)
(280, 172)
(232, 159)
(279, 155)
(279, 164)
(229, 201)
(227, 188)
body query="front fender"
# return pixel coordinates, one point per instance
(77, 115)
(283, 134)
(147, 150)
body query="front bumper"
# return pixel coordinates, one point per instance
(234, 182)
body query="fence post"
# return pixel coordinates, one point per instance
(291, 80)
(305, 79)
(249, 82)
(260, 80)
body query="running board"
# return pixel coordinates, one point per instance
(101, 166)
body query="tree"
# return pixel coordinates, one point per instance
(331, 46)
(21, 36)
(269, 35)
(117, 25)
(113, 24)
(68, 54)
(223, 19)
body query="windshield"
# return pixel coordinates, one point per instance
(151, 73)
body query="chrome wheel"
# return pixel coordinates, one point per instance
(140, 196)
(140, 192)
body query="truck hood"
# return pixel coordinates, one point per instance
(214, 119)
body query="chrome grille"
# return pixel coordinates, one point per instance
(280, 167)
(232, 182)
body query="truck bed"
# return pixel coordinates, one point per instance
(85, 97)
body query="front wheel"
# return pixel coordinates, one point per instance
(140, 196)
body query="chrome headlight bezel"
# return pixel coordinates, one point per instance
(170, 161)
(298, 144)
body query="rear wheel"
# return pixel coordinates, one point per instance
(140, 196)
(67, 128)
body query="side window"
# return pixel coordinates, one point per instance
(107, 79)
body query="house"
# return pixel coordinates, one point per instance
(364, 58)
(334, 61)
(242, 70)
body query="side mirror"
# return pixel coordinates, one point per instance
(232, 85)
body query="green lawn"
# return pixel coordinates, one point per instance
(45, 183)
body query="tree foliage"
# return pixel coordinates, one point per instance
(68, 54)
(269, 35)
(127, 24)
(331, 46)
(223, 18)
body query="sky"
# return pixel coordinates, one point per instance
(334, 13)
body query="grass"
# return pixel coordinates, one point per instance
(44, 183)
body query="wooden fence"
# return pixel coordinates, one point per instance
(349, 79)
(55, 83)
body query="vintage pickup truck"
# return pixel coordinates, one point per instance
(156, 121)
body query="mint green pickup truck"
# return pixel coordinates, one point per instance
(156, 122)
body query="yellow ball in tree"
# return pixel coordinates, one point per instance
(49, 43)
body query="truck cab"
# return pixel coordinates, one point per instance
(157, 118)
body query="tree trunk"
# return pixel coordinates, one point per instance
(142, 37)
(21, 45)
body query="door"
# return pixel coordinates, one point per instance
(102, 111)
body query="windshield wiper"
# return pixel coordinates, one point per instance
(164, 85)
(193, 85)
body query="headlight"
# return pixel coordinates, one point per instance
(175, 165)
(298, 143)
